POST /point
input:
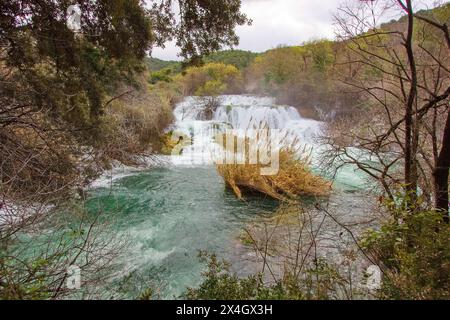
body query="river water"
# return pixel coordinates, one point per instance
(173, 210)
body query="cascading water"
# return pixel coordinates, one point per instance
(235, 112)
(171, 212)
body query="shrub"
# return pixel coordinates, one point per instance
(219, 283)
(212, 79)
(133, 125)
(161, 75)
(415, 252)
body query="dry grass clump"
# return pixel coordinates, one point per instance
(134, 124)
(294, 177)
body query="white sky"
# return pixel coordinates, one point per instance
(281, 22)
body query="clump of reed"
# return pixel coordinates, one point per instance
(293, 179)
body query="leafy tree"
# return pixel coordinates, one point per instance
(322, 54)
(60, 120)
(277, 66)
(238, 58)
(204, 26)
(67, 74)
(212, 79)
(219, 283)
(155, 64)
(162, 75)
(57, 83)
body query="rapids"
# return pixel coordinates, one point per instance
(172, 211)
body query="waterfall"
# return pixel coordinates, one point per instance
(171, 212)
(234, 112)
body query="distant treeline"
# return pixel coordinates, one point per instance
(301, 76)
(311, 76)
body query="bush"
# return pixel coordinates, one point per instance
(414, 250)
(220, 284)
(161, 75)
(134, 124)
(212, 79)
(316, 283)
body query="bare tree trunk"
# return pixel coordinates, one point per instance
(441, 173)
(410, 153)
(441, 170)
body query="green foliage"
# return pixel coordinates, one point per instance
(302, 76)
(11, 286)
(220, 284)
(161, 70)
(155, 64)
(162, 75)
(414, 250)
(318, 281)
(206, 26)
(238, 58)
(211, 88)
(278, 66)
(212, 79)
(322, 54)
(61, 71)
(58, 83)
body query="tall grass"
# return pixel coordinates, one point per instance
(294, 177)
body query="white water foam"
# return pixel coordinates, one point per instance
(235, 112)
